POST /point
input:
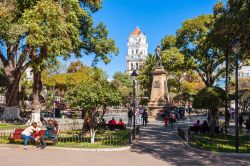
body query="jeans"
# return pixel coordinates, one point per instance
(26, 139)
(42, 139)
(130, 121)
(144, 121)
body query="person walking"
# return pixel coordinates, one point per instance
(171, 119)
(130, 116)
(166, 120)
(144, 118)
(241, 120)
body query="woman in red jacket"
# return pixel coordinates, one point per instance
(166, 121)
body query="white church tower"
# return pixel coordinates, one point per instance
(137, 50)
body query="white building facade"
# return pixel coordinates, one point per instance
(244, 72)
(137, 50)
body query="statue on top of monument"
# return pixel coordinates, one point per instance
(158, 56)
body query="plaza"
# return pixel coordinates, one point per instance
(156, 145)
(138, 83)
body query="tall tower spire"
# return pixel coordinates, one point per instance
(137, 50)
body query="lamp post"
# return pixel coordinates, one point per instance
(134, 75)
(226, 89)
(54, 111)
(236, 46)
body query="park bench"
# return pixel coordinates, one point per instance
(116, 127)
(16, 136)
(197, 129)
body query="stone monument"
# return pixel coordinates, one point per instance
(159, 90)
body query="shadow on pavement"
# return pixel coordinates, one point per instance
(162, 143)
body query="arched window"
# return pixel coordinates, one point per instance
(137, 66)
(136, 51)
(132, 67)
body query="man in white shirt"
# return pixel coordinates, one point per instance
(26, 134)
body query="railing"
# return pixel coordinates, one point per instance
(4, 138)
(110, 140)
(182, 134)
(75, 139)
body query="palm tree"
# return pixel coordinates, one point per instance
(145, 78)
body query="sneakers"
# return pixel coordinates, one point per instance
(42, 147)
(25, 147)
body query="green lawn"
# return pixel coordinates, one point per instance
(220, 143)
(7, 126)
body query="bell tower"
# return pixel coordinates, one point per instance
(137, 50)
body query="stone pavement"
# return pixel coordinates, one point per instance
(157, 146)
(12, 156)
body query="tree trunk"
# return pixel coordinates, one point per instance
(13, 76)
(213, 120)
(92, 135)
(36, 105)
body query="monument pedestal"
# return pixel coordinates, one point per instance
(159, 92)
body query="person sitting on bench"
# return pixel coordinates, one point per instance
(50, 133)
(197, 126)
(121, 124)
(26, 134)
(112, 123)
(205, 127)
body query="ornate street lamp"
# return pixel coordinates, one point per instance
(134, 75)
(236, 46)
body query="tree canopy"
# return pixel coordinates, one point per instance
(210, 98)
(90, 95)
(33, 32)
(193, 41)
(123, 83)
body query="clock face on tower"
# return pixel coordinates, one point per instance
(135, 40)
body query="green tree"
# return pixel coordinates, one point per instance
(145, 77)
(123, 83)
(44, 30)
(193, 41)
(75, 67)
(210, 98)
(2, 79)
(232, 20)
(244, 100)
(91, 97)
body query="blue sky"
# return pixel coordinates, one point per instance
(157, 18)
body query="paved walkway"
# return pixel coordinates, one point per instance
(162, 143)
(157, 146)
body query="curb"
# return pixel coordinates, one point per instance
(74, 149)
(213, 152)
(92, 150)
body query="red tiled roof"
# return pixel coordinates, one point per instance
(137, 31)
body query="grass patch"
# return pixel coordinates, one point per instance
(103, 139)
(7, 126)
(220, 143)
